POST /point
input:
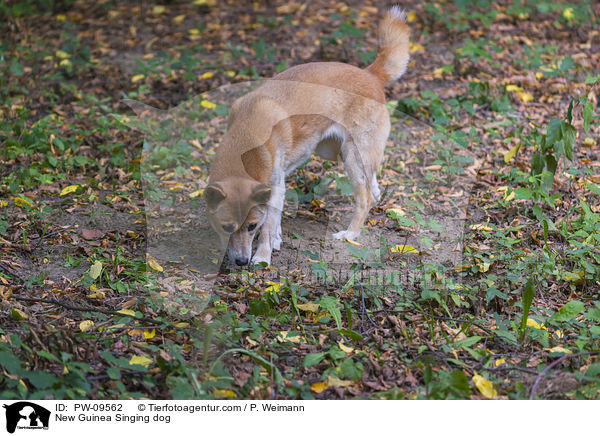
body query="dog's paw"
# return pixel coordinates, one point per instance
(276, 241)
(346, 234)
(260, 258)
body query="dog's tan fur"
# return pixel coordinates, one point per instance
(333, 109)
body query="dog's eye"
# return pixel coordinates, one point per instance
(229, 228)
(251, 227)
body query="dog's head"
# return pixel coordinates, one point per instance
(236, 209)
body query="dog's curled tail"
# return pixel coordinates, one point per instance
(393, 52)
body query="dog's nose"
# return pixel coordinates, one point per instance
(241, 261)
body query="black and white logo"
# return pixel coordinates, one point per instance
(26, 415)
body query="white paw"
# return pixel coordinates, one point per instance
(346, 234)
(261, 257)
(276, 240)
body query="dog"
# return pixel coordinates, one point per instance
(332, 109)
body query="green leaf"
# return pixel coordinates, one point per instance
(568, 133)
(114, 373)
(588, 112)
(506, 336)
(527, 300)
(313, 359)
(569, 311)
(553, 131)
(10, 362)
(48, 355)
(537, 163)
(332, 306)
(467, 342)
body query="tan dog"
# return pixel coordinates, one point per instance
(333, 109)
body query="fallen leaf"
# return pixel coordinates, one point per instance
(319, 387)
(486, 387)
(142, 360)
(86, 325)
(154, 264)
(308, 307)
(91, 234)
(404, 249)
(68, 189)
(95, 270)
(559, 349)
(228, 393)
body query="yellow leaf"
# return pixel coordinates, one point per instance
(97, 295)
(568, 14)
(486, 387)
(481, 227)
(411, 17)
(539, 75)
(397, 211)
(589, 142)
(284, 336)
(178, 19)
(415, 47)
(62, 54)
(21, 201)
(438, 72)
(61, 17)
(559, 334)
(196, 193)
(499, 362)
(274, 287)
(182, 324)
(319, 387)
(228, 393)
(230, 73)
(159, 9)
(574, 276)
(513, 88)
(346, 349)
(338, 383)
(18, 314)
(142, 360)
(525, 96)
(149, 334)
(65, 63)
(207, 75)
(510, 196)
(207, 104)
(533, 323)
(137, 78)
(154, 264)
(177, 187)
(404, 249)
(126, 312)
(86, 325)
(194, 32)
(3, 203)
(559, 349)
(512, 153)
(68, 189)
(308, 307)
(351, 242)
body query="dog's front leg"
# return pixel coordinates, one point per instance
(270, 233)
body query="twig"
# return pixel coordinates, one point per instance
(39, 240)
(85, 309)
(4, 268)
(552, 365)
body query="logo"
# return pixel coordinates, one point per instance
(26, 415)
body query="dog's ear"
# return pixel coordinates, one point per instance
(261, 194)
(214, 194)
